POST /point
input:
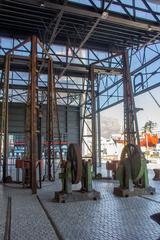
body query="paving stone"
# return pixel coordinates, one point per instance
(3, 208)
(28, 220)
(109, 218)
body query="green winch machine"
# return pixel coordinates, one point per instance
(73, 172)
(132, 173)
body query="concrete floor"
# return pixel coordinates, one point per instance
(108, 218)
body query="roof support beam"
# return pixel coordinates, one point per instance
(79, 10)
(151, 11)
(81, 45)
(108, 17)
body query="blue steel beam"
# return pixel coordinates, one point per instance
(143, 87)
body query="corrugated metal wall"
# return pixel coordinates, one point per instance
(69, 119)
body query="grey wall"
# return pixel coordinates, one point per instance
(69, 119)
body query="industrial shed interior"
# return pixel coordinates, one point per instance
(63, 63)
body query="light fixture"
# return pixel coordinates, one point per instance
(42, 4)
(149, 28)
(104, 15)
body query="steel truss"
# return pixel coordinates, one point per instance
(88, 56)
(34, 103)
(144, 69)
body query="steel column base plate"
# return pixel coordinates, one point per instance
(75, 196)
(136, 191)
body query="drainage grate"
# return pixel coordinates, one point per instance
(156, 217)
(59, 236)
(8, 221)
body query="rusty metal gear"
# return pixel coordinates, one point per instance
(133, 153)
(75, 157)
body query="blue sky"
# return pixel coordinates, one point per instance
(151, 110)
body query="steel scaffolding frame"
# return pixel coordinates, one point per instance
(33, 112)
(89, 72)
